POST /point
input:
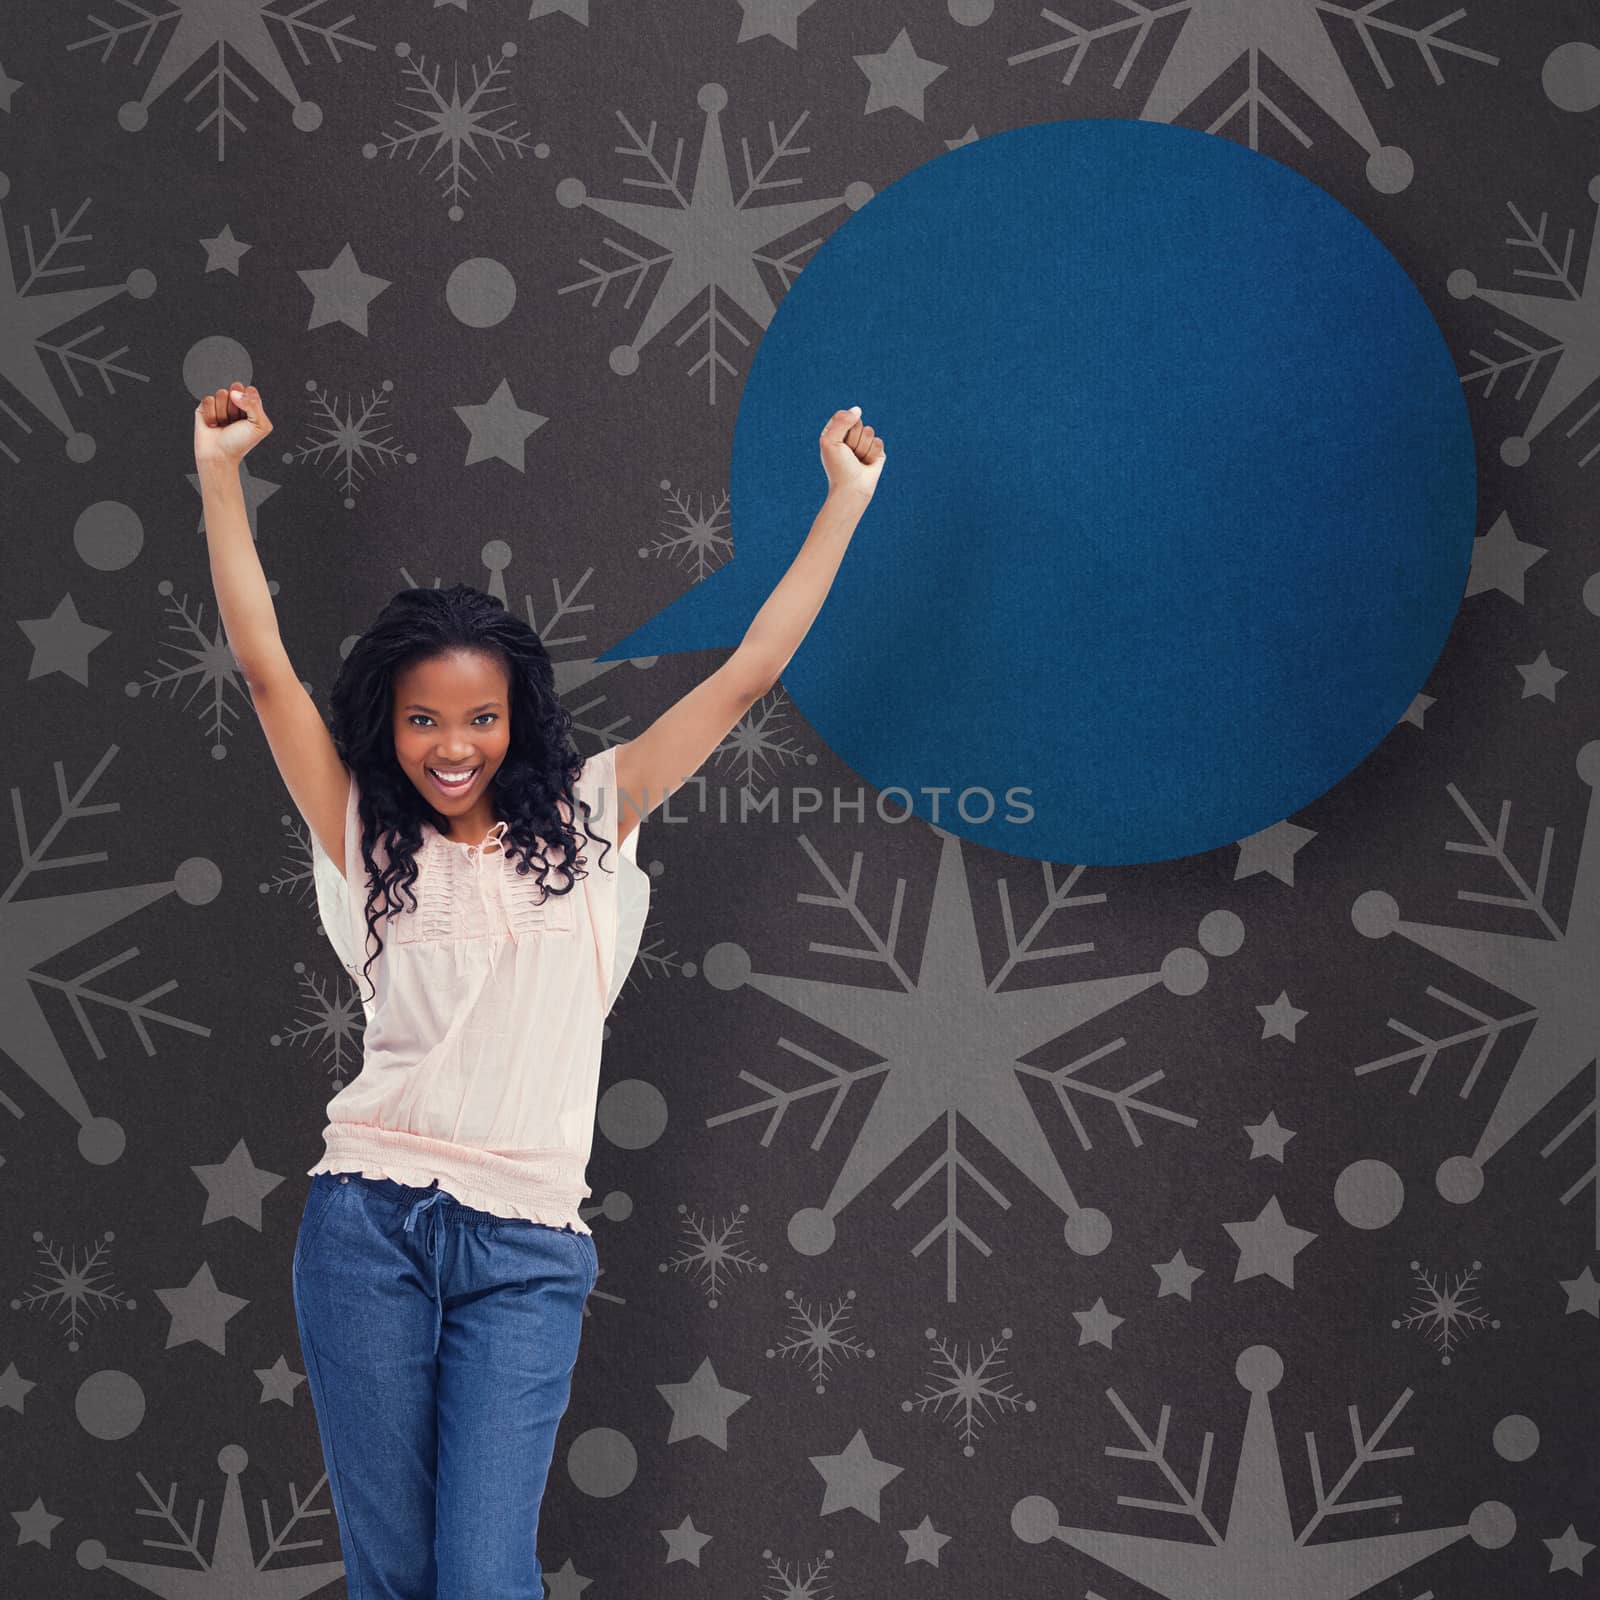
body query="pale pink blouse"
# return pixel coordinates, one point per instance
(482, 1049)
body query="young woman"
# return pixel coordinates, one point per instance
(461, 848)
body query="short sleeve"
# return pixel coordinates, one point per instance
(342, 910)
(618, 889)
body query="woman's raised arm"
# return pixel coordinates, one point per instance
(672, 749)
(227, 426)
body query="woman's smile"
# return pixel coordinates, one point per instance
(464, 778)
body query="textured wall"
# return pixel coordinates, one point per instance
(1315, 1362)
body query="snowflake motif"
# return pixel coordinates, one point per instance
(206, 29)
(455, 125)
(797, 1583)
(713, 1254)
(353, 440)
(331, 1026)
(31, 313)
(1446, 1312)
(711, 238)
(74, 1292)
(697, 539)
(969, 1390)
(207, 663)
(47, 924)
(1215, 34)
(820, 1338)
(1565, 318)
(221, 1572)
(1555, 975)
(755, 745)
(1260, 1556)
(951, 1045)
(297, 877)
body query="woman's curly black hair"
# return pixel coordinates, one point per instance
(540, 763)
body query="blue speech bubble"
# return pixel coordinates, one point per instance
(1178, 506)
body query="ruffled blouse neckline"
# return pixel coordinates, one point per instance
(493, 837)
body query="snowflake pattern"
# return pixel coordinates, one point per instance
(205, 31)
(330, 1026)
(1555, 975)
(45, 925)
(1260, 1556)
(757, 745)
(354, 441)
(31, 312)
(697, 539)
(458, 126)
(1567, 317)
(1447, 1312)
(968, 1390)
(812, 1582)
(72, 1293)
(206, 663)
(710, 239)
(714, 1253)
(951, 1048)
(820, 1338)
(232, 1553)
(1216, 34)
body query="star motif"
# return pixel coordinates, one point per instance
(1273, 850)
(1583, 1293)
(1540, 677)
(1567, 1552)
(685, 1542)
(223, 251)
(1177, 1276)
(1268, 1137)
(499, 428)
(35, 1525)
(772, 19)
(62, 641)
(701, 1407)
(14, 1387)
(235, 1187)
(342, 292)
(1280, 1018)
(1268, 1245)
(1499, 560)
(898, 77)
(1097, 1324)
(200, 1311)
(279, 1382)
(855, 1478)
(1418, 709)
(923, 1542)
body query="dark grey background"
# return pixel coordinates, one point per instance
(125, 1380)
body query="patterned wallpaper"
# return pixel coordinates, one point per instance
(1346, 1339)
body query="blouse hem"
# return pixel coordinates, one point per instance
(371, 1152)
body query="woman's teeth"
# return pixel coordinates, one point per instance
(453, 782)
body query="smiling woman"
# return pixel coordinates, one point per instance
(444, 1257)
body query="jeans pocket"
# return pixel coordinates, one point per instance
(325, 1189)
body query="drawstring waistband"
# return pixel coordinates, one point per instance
(422, 1205)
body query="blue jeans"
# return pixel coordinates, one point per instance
(439, 1344)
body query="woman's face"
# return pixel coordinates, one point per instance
(453, 715)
